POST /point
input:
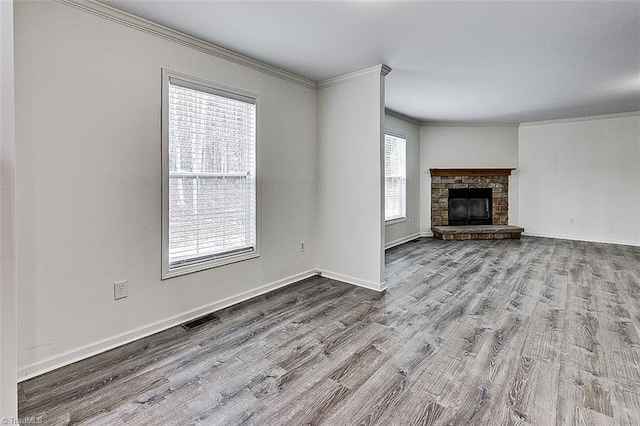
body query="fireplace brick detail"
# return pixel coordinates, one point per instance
(440, 195)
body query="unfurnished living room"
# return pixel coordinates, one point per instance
(320, 212)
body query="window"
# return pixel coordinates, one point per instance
(395, 177)
(209, 176)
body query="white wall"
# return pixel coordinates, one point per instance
(88, 184)
(350, 179)
(462, 147)
(588, 169)
(397, 233)
(8, 305)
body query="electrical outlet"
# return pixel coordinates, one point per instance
(572, 220)
(120, 290)
(301, 245)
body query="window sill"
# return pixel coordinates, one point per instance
(394, 221)
(198, 267)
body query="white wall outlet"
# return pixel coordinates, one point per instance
(301, 245)
(120, 290)
(572, 220)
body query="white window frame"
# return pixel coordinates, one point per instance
(216, 88)
(403, 137)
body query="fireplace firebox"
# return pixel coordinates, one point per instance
(470, 206)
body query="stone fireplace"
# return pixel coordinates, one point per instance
(478, 198)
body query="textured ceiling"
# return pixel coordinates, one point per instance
(473, 62)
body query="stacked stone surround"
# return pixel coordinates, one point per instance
(442, 181)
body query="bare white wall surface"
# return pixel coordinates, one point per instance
(467, 147)
(88, 100)
(586, 169)
(350, 179)
(399, 232)
(8, 296)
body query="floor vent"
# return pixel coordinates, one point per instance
(200, 321)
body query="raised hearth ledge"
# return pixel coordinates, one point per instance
(477, 232)
(472, 172)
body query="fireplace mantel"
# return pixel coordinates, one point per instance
(471, 172)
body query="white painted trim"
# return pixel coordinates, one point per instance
(426, 123)
(426, 233)
(381, 69)
(401, 240)
(578, 238)
(394, 221)
(585, 118)
(112, 342)
(355, 281)
(140, 24)
(465, 124)
(401, 116)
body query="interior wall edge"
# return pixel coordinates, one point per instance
(8, 261)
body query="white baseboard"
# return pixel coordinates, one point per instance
(578, 238)
(428, 233)
(112, 342)
(401, 240)
(100, 346)
(355, 281)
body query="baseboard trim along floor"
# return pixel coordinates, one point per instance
(115, 341)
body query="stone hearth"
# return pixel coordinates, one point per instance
(477, 232)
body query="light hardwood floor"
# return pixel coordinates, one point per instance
(533, 331)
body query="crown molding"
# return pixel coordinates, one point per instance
(400, 116)
(584, 118)
(381, 70)
(385, 70)
(140, 24)
(466, 124)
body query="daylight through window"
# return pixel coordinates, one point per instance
(211, 174)
(395, 174)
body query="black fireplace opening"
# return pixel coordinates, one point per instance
(470, 206)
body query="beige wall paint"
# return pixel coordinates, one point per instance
(588, 169)
(88, 184)
(350, 192)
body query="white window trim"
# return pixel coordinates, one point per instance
(406, 141)
(214, 263)
(394, 221)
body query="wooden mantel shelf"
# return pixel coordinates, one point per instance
(471, 172)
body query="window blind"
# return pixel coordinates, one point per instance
(395, 173)
(212, 179)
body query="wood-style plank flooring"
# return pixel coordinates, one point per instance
(533, 331)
